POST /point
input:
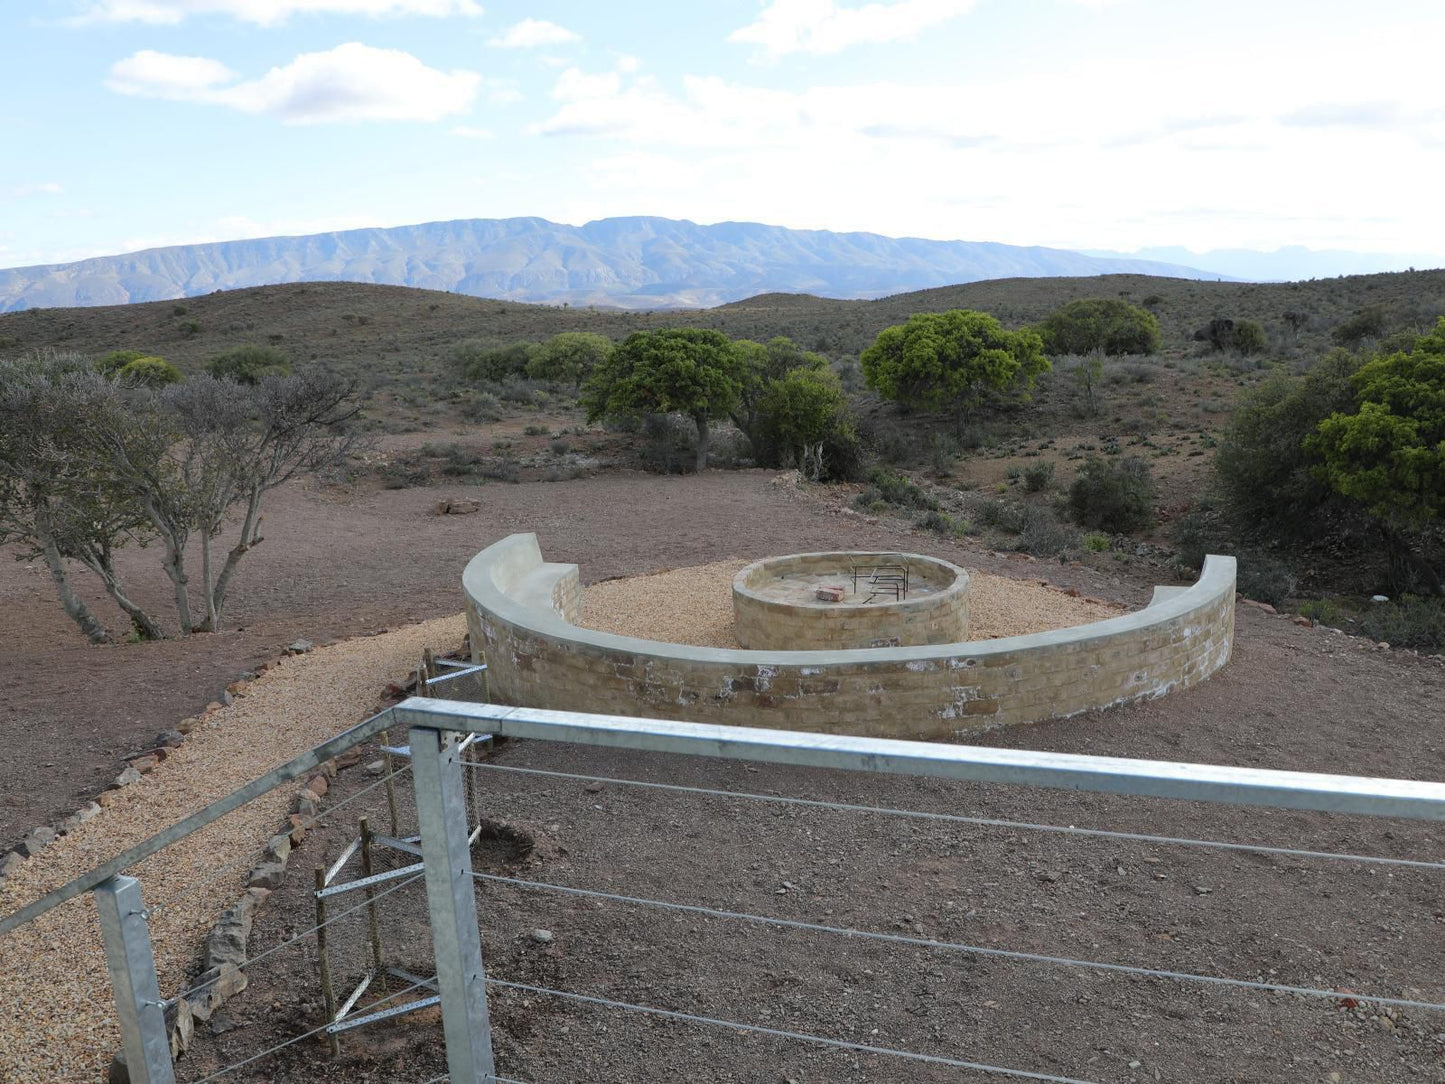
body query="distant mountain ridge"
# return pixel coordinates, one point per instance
(637, 262)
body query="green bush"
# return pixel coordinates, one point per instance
(1113, 495)
(1037, 476)
(568, 357)
(1043, 535)
(1250, 337)
(111, 364)
(896, 489)
(1322, 611)
(485, 363)
(1265, 579)
(1002, 515)
(1096, 542)
(249, 364)
(1407, 622)
(1267, 477)
(938, 522)
(1100, 324)
(149, 372)
(1367, 323)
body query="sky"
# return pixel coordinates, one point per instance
(1089, 124)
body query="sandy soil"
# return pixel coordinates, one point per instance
(1291, 697)
(694, 605)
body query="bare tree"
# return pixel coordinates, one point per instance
(57, 501)
(88, 465)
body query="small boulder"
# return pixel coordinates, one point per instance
(127, 777)
(35, 841)
(169, 739)
(299, 647)
(267, 875)
(9, 862)
(145, 763)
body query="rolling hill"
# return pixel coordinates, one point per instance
(635, 263)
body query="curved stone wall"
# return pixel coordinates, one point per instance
(521, 612)
(774, 608)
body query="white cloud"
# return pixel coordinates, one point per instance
(266, 12)
(351, 82)
(467, 131)
(25, 191)
(163, 75)
(823, 26)
(532, 34)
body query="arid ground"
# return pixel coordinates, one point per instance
(337, 565)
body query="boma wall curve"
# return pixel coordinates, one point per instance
(522, 613)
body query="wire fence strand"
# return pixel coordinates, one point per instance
(300, 1038)
(780, 1033)
(956, 946)
(986, 822)
(311, 820)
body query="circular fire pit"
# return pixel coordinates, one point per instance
(842, 601)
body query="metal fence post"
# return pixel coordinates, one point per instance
(132, 968)
(452, 904)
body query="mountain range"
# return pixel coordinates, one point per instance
(636, 262)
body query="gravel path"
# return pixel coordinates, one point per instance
(694, 606)
(59, 1022)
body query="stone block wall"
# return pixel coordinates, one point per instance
(520, 609)
(764, 623)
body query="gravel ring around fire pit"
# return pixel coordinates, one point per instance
(695, 606)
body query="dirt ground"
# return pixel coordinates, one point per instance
(1291, 698)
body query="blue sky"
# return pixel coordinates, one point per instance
(1075, 123)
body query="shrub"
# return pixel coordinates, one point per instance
(1322, 611)
(1100, 324)
(150, 372)
(1096, 542)
(1367, 323)
(568, 357)
(1114, 496)
(1265, 579)
(1043, 535)
(484, 362)
(1250, 337)
(1037, 476)
(896, 489)
(1002, 515)
(1407, 622)
(111, 364)
(560, 447)
(249, 364)
(938, 522)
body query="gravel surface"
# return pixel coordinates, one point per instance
(695, 606)
(69, 1033)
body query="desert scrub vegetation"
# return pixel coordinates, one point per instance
(249, 364)
(1101, 325)
(90, 464)
(1113, 495)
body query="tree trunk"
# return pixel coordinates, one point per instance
(175, 566)
(208, 593)
(702, 436)
(100, 562)
(78, 611)
(250, 536)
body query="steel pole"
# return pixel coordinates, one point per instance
(132, 967)
(441, 809)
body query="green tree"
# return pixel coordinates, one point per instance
(1264, 467)
(568, 357)
(759, 366)
(1250, 337)
(1389, 453)
(951, 359)
(249, 364)
(802, 412)
(481, 361)
(1102, 324)
(686, 370)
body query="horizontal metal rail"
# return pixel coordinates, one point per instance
(276, 777)
(1069, 771)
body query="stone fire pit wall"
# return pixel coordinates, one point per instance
(521, 611)
(935, 611)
